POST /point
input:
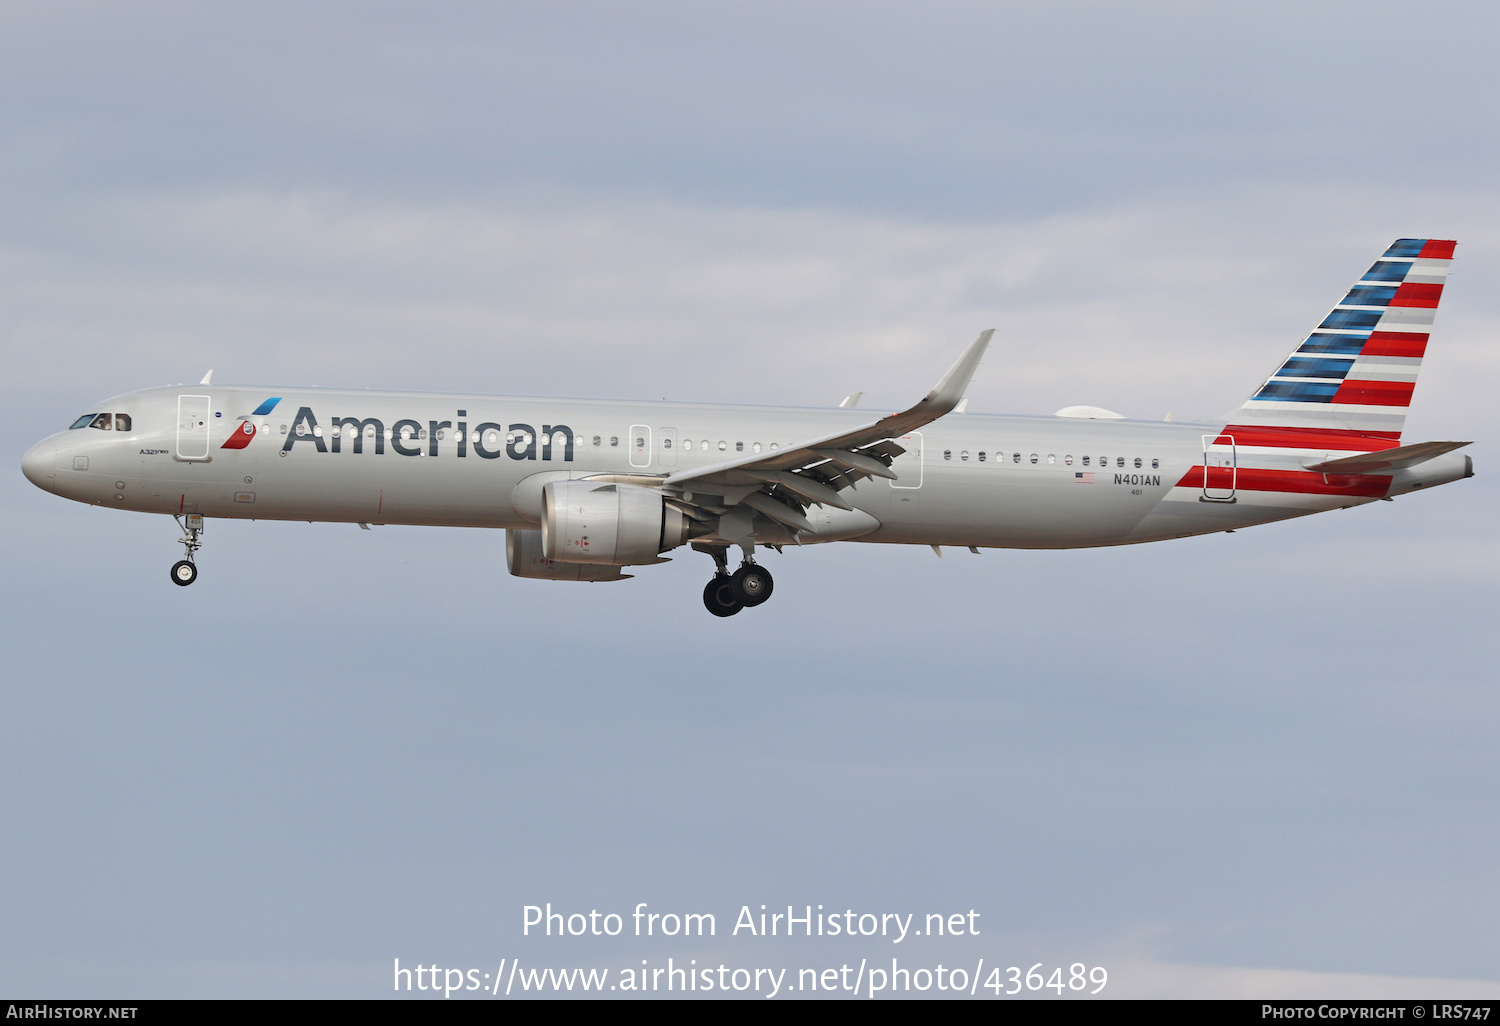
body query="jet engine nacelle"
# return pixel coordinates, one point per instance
(601, 523)
(523, 556)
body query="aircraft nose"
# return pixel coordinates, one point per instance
(38, 464)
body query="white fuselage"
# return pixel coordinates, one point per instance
(480, 461)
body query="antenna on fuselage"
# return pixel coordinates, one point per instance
(208, 379)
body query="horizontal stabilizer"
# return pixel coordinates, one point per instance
(1387, 459)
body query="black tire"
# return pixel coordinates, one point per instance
(719, 598)
(184, 572)
(752, 584)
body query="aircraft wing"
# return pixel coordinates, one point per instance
(844, 449)
(782, 483)
(1386, 459)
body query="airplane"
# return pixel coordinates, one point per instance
(585, 488)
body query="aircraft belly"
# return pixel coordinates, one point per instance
(1045, 507)
(1183, 513)
(387, 489)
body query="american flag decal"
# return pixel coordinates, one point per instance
(1080, 477)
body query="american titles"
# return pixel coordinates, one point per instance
(488, 440)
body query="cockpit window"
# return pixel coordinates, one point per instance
(102, 421)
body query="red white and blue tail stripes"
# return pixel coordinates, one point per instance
(1352, 378)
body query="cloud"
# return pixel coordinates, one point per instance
(1146, 308)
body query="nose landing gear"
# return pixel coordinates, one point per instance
(185, 571)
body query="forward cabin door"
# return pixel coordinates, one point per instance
(192, 427)
(1220, 468)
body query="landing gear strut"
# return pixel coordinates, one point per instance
(718, 594)
(185, 571)
(728, 593)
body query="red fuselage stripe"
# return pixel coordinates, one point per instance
(1304, 482)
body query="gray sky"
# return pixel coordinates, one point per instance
(1232, 765)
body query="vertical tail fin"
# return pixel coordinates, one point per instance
(1351, 380)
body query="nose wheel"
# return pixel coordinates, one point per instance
(185, 570)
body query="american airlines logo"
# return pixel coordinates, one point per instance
(241, 435)
(488, 440)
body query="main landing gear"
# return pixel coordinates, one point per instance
(728, 593)
(185, 570)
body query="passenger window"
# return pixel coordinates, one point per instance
(122, 422)
(1033, 457)
(947, 454)
(774, 447)
(723, 446)
(755, 447)
(102, 422)
(1016, 458)
(666, 443)
(640, 443)
(614, 441)
(1155, 464)
(1137, 463)
(82, 422)
(981, 455)
(703, 445)
(596, 441)
(422, 433)
(687, 445)
(1051, 459)
(739, 446)
(964, 455)
(283, 429)
(1119, 461)
(1085, 461)
(1068, 460)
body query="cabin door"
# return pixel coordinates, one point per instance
(1220, 468)
(192, 427)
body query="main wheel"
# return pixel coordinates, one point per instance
(718, 596)
(184, 573)
(752, 584)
